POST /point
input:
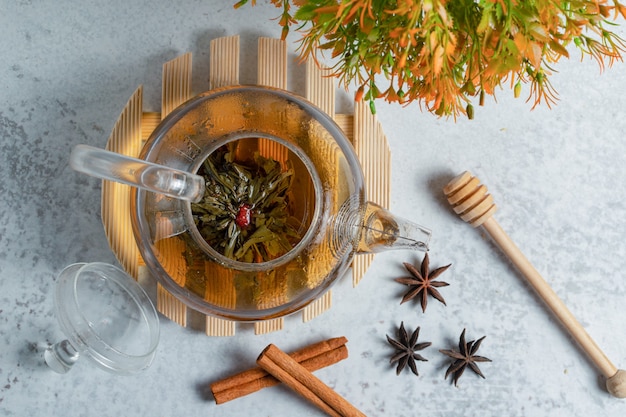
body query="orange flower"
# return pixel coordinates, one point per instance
(440, 52)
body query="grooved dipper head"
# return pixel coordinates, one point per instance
(469, 199)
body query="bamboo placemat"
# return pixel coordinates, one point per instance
(134, 126)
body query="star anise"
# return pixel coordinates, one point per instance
(423, 283)
(406, 349)
(466, 356)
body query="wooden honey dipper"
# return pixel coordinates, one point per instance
(469, 199)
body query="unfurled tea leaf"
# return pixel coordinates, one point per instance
(244, 213)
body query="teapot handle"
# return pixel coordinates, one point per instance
(138, 173)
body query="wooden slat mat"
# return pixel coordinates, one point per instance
(134, 126)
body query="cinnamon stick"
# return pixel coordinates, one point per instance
(303, 382)
(312, 358)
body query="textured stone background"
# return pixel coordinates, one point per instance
(67, 69)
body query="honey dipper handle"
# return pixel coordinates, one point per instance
(551, 299)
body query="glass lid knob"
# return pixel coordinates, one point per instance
(106, 316)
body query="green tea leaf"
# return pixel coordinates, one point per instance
(262, 185)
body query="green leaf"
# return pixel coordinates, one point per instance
(485, 19)
(306, 12)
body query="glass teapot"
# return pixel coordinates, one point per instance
(249, 202)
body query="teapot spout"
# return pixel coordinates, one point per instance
(381, 231)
